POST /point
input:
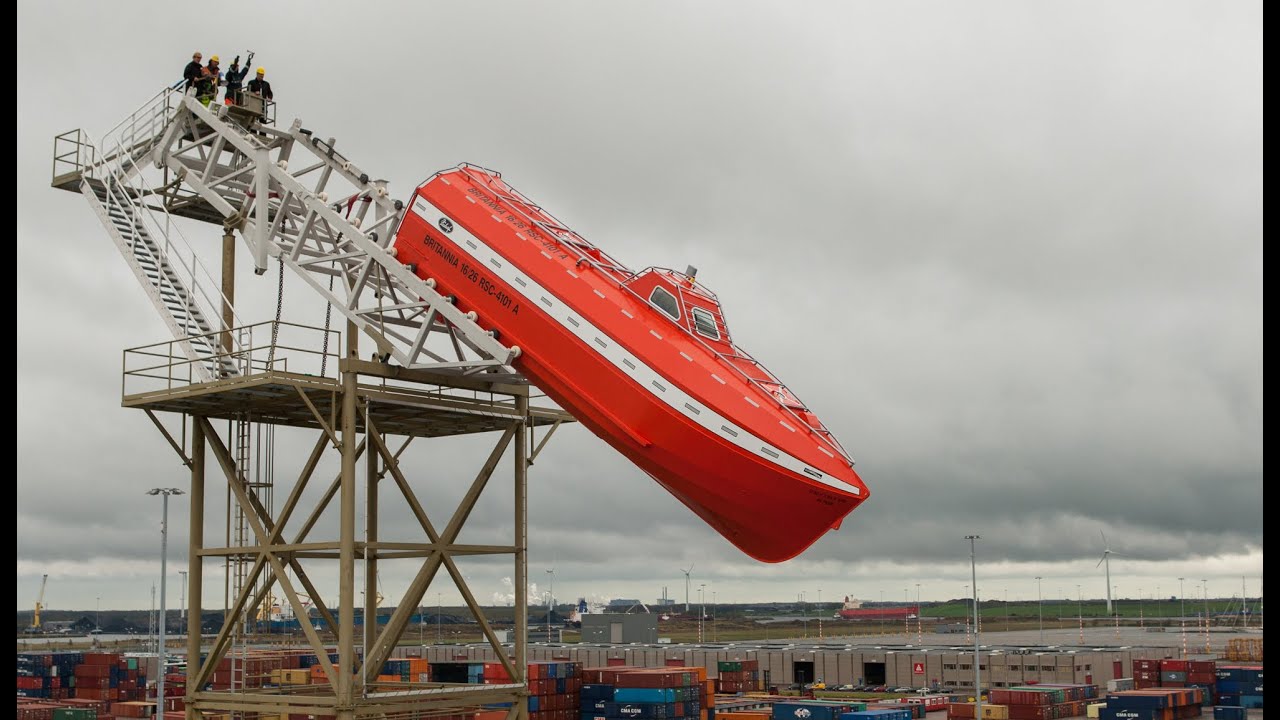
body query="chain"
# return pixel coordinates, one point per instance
(328, 313)
(275, 326)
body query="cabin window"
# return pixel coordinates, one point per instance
(666, 302)
(705, 322)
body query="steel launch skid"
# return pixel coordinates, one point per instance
(429, 371)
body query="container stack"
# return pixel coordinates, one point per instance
(1153, 704)
(1171, 673)
(554, 690)
(621, 693)
(47, 675)
(1239, 685)
(737, 676)
(1032, 702)
(1146, 674)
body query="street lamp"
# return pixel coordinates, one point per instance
(919, 620)
(1080, 612)
(164, 549)
(977, 664)
(1205, 584)
(702, 609)
(1040, 604)
(551, 599)
(183, 573)
(97, 614)
(713, 615)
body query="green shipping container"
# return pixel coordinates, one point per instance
(75, 714)
(730, 666)
(132, 663)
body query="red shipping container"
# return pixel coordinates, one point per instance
(93, 671)
(36, 711)
(1170, 665)
(1201, 666)
(1032, 712)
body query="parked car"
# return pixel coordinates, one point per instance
(879, 688)
(902, 690)
(847, 688)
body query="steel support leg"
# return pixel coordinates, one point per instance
(195, 564)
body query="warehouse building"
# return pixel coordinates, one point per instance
(781, 666)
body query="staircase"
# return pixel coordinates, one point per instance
(108, 175)
(161, 279)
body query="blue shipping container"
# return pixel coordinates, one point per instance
(1251, 701)
(639, 711)
(882, 714)
(1108, 713)
(1137, 702)
(1228, 712)
(597, 692)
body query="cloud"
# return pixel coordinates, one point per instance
(1010, 254)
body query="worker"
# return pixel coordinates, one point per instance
(235, 80)
(191, 73)
(210, 79)
(260, 85)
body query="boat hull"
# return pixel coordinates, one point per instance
(630, 378)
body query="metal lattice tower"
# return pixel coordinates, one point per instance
(435, 372)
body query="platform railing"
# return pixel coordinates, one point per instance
(263, 347)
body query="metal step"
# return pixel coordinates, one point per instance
(151, 264)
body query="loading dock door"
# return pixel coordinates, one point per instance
(803, 672)
(873, 672)
(615, 633)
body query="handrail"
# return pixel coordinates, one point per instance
(184, 251)
(148, 122)
(178, 369)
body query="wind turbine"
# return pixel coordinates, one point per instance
(1107, 552)
(686, 586)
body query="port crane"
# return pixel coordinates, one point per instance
(35, 620)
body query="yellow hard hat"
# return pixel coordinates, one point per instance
(262, 71)
(213, 58)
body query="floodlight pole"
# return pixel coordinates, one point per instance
(164, 550)
(977, 664)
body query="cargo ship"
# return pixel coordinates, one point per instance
(645, 360)
(853, 610)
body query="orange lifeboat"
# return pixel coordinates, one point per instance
(643, 359)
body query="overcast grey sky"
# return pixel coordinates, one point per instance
(1010, 252)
